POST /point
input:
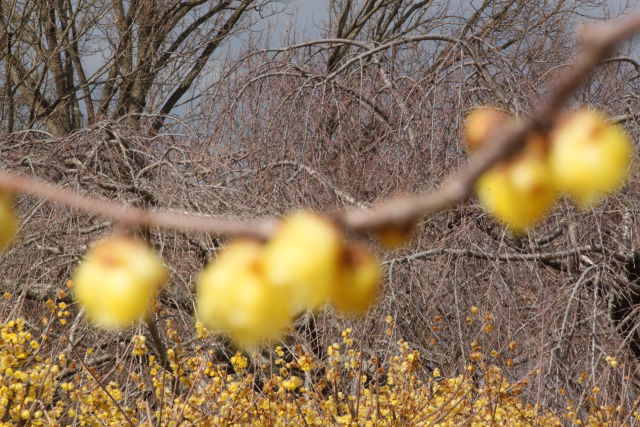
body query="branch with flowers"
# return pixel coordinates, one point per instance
(277, 269)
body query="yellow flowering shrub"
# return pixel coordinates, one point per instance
(340, 390)
(253, 290)
(28, 390)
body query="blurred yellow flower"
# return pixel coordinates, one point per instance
(589, 156)
(8, 220)
(358, 286)
(235, 298)
(481, 124)
(395, 236)
(117, 281)
(518, 193)
(303, 258)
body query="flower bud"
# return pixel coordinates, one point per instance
(481, 124)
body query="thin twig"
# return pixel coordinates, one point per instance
(538, 256)
(157, 341)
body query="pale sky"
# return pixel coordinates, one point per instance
(306, 18)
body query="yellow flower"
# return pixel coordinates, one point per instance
(476, 356)
(201, 331)
(589, 156)
(360, 277)
(395, 236)
(8, 220)
(306, 363)
(117, 281)
(292, 383)
(139, 345)
(239, 362)
(235, 298)
(481, 124)
(518, 193)
(303, 258)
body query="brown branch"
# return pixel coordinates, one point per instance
(597, 42)
(127, 215)
(400, 211)
(157, 342)
(538, 256)
(624, 118)
(342, 195)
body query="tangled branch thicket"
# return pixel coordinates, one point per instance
(337, 124)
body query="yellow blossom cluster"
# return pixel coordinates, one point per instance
(584, 156)
(345, 389)
(252, 290)
(29, 386)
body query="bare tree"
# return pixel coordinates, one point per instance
(69, 64)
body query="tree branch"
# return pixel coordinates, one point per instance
(538, 256)
(399, 211)
(127, 215)
(597, 42)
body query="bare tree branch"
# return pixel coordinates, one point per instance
(597, 43)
